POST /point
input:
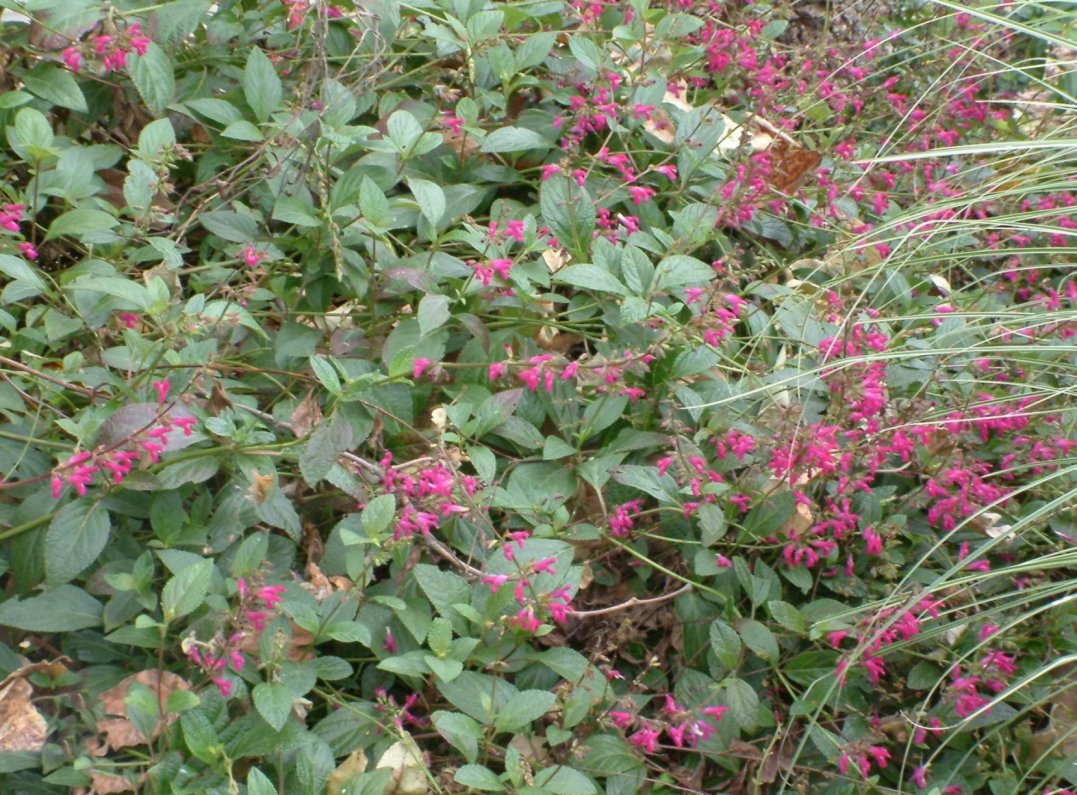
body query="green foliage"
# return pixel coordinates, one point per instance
(536, 398)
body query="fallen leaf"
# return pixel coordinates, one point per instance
(120, 732)
(306, 415)
(21, 726)
(106, 783)
(409, 770)
(345, 773)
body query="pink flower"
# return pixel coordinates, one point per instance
(645, 739)
(73, 58)
(28, 251)
(545, 565)
(419, 366)
(641, 194)
(390, 642)
(722, 562)
(252, 256)
(668, 171)
(549, 170)
(270, 594)
(919, 776)
(495, 581)
(223, 685)
(453, 123)
(128, 319)
(622, 719)
(161, 388)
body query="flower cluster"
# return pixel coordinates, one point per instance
(81, 468)
(682, 726)
(111, 50)
(216, 657)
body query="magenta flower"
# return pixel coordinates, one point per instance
(419, 366)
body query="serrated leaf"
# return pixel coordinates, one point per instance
(522, 709)
(273, 702)
(570, 214)
(377, 514)
(442, 588)
(462, 732)
(261, 85)
(433, 313)
(154, 77)
(788, 616)
(726, 644)
(75, 538)
(743, 702)
(591, 277)
(331, 438)
(186, 591)
(759, 639)
(55, 85)
(678, 270)
(430, 198)
(63, 609)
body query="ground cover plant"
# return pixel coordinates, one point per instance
(538, 397)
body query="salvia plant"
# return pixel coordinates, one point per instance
(538, 397)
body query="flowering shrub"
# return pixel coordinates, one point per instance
(536, 398)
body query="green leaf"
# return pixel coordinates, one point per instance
(331, 438)
(555, 448)
(759, 639)
(563, 780)
(726, 644)
(201, 738)
(462, 732)
(433, 313)
(33, 130)
(261, 85)
(404, 131)
(76, 536)
(442, 588)
(523, 708)
(81, 222)
(154, 77)
(514, 139)
(430, 198)
(63, 609)
(273, 702)
(258, 783)
(570, 214)
(133, 293)
(678, 270)
(55, 85)
(591, 277)
(445, 669)
(186, 591)
(478, 777)
(788, 616)
(439, 636)
(743, 702)
(19, 270)
(377, 514)
(230, 226)
(326, 374)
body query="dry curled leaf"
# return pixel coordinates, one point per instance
(107, 783)
(307, 414)
(21, 726)
(260, 487)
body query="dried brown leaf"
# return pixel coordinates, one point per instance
(21, 726)
(306, 415)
